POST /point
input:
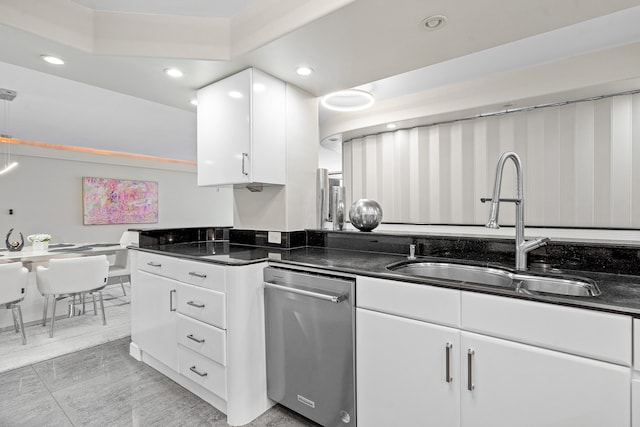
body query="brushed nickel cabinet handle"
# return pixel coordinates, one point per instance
(154, 264)
(447, 376)
(245, 156)
(195, 371)
(171, 292)
(195, 304)
(198, 340)
(470, 384)
(199, 275)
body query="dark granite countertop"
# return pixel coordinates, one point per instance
(620, 293)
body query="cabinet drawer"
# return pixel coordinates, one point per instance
(204, 371)
(202, 274)
(421, 302)
(602, 336)
(202, 338)
(158, 264)
(202, 304)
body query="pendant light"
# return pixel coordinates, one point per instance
(6, 96)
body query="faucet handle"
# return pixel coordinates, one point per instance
(412, 252)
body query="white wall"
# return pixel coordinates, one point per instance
(45, 193)
(54, 110)
(330, 159)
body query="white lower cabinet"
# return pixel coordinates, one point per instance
(512, 384)
(202, 325)
(635, 384)
(407, 372)
(156, 317)
(403, 377)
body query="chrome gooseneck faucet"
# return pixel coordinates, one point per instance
(523, 247)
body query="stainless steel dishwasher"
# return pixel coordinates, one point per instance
(310, 344)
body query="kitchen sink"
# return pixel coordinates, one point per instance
(552, 285)
(459, 272)
(490, 276)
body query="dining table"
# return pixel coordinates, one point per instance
(33, 303)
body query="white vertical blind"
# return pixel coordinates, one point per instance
(581, 166)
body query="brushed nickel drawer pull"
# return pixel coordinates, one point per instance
(470, 384)
(195, 371)
(447, 375)
(195, 304)
(198, 340)
(154, 264)
(171, 292)
(199, 275)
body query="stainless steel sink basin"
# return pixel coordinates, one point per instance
(458, 272)
(520, 282)
(575, 287)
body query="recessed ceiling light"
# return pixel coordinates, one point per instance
(235, 94)
(304, 71)
(391, 126)
(173, 72)
(348, 100)
(52, 59)
(194, 102)
(433, 22)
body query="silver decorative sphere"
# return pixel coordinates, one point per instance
(365, 214)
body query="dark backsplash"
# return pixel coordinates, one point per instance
(603, 258)
(289, 239)
(154, 237)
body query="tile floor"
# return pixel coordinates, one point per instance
(104, 386)
(70, 334)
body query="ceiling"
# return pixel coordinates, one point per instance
(208, 8)
(123, 46)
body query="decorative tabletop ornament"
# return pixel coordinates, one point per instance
(365, 214)
(40, 241)
(14, 246)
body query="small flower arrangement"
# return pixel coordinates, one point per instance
(39, 238)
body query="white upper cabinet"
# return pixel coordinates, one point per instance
(241, 130)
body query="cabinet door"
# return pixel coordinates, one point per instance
(521, 385)
(402, 372)
(156, 321)
(224, 131)
(268, 147)
(635, 406)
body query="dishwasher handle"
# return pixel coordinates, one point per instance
(326, 297)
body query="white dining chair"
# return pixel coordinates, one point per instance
(72, 277)
(120, 270)
(13, 285)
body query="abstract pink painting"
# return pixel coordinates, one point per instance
(117, 201)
